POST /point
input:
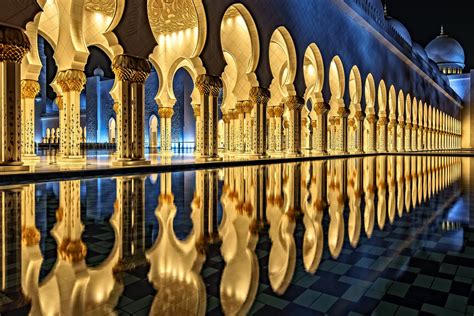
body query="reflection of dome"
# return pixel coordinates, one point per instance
(447, 53)
(400, 29)
(98, 72)
(420, 51)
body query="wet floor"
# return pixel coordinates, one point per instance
(382, 235)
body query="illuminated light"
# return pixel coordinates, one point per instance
(99, 18)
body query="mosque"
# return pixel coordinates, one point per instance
(268, 78)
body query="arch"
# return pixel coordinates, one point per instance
(369, 95)
(401, 105)
(336, 78)
(382, 99)
(313, 70)
(112, 130)
(153, 124)
(408, 109)
(355, 87)
(392, 103)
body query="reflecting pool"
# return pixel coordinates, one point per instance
(383, 235)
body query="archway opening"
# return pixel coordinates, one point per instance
(153, 131)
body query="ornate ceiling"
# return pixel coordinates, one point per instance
(106, 7)
(167, 16)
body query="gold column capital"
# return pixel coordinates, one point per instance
(294, 102)
(165, 112)
(30, 236)
(371, 118)
(71, 80)
(278, 110)
(343, 112)
(270, 111)
(259, 95)
(72, 250)
(196, 110)
(130, 68)
(29, 89)
(14, 44)
(226, 117)
(321, 108)
(60, 102)
(247, 106)
(209, 85)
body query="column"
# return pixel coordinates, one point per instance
(341, 122)
(71, 83)
(294, 104)
(14, 45)
(382, 124)
(371, 145)
(320, 129)
(332, 134)
(408, 136)
(401, 135)
(271, 129)
(259, 97)
(247, 144)
(227, 120)
(359, 121)
(209, 88)
(414, 137)
(392, 127)
(165, 113)
(233, 130)
(29, 90)
(130, 74)
(240, 127)
(278, 115)
(198, 136)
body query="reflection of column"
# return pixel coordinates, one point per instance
(71, 82)
(320, 130)
(259, 97)
(382, 124)
(29, 90)
(10, 247)
(400, 185)
(391, 180)
(294, 104)
(354, 193)
(342, 130)
(14, 45)
(209, 87)
(369, 188)
(165, 114)
(336, 196)
(381, 167)
(198, 136)
(278, 111)
(130, 74)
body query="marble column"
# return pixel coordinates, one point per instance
(259, 97)
(209, 88)
(408, 136)
(130, 74)
(71, 83)
(29, 90)
(247, 144)
(234, 141)
(371, 144)
(278, 112)
(392, 128)
(165, 113)
(382, 127)
(294, 104)
(332, 134)
(320, 139)
(271, 129)
(14, 45)
(198, 136)
(341, 123)
(359, 121)
(227, 119)
(414, 137)
(240, 127)
(401, 135)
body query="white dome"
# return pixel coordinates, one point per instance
(99, 72)
(446, 50)
(377, 6)
(400, 29)
(420, 51)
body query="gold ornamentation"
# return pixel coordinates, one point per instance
(30, 236)
(359, 115)
(71, 80)
(196, 110)
(343, 112)
(294, 102)
(168, 16)
(270, 111)
(371, 118)
(165, 112)
(247, 106)
(105, 7)
(14, 44)
(132, 69)
(29, 89)
(259, 95)
(209, 85)
(321, 108)
(278, 110)
(72, 250)
(59, 102)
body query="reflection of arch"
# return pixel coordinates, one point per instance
(153, 123)
(112, 130)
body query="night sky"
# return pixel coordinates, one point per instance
(423, 19)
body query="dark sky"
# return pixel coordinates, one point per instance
(423, 19)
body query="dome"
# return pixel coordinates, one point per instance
(446, 51)
(377, 6)
(420, 51)
(400, 29)
(99, 72)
